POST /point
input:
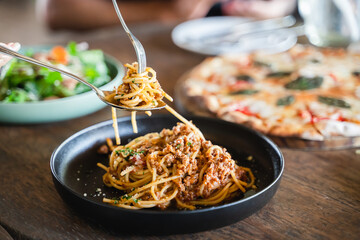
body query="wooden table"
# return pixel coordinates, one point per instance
(318, 198)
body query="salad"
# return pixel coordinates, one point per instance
(24, 82)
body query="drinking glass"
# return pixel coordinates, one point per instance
(331, 23)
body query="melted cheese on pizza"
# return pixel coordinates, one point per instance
(305, 92)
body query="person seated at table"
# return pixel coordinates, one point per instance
(91, 14)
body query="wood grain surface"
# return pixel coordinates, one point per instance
(4, 235)
(318, 198)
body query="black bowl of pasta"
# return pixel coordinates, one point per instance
(100, 196)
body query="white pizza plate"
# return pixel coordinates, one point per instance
(224, 35)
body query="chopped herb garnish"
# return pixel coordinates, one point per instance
(305, 83)
(127, 197)
(129, 152)
(245, 92)
(178, 146)
(334, 102)
(135, 200)
(279, 74)
(189, 144)
(116, 202)
(133, 81)
(285, 101)
(126, 151)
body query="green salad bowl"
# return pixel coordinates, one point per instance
(63, 108)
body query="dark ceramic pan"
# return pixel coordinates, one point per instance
(79, 181)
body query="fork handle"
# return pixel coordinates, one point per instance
(140, 53)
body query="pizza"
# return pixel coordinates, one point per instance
(305, 92)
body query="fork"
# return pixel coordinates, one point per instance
(139, 49)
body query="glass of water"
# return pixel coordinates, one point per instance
(331, 23)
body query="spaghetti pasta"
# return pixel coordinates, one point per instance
(115, 126)
(174, 167)
(138, 90)
(141, 90)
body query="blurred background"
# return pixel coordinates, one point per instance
(327, 22)
(19, 22)
(44, 21)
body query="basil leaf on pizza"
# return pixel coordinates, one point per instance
(244, 77)
(304, 83)
(245, 92)
(278, 74)
(315, 60)
(261, 64)
(285, 101)
(334, 102)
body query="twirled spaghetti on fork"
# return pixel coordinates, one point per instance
(140, 90)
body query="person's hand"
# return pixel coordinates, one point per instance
(5, 58)
(259, 9)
